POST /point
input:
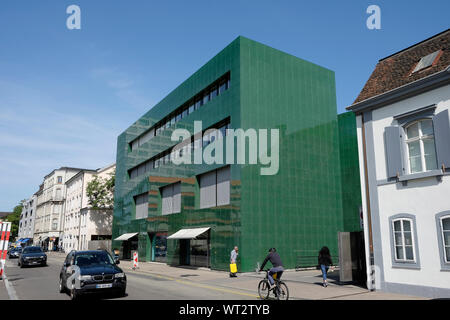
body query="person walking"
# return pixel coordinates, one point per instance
(325, 262)
(233, 258)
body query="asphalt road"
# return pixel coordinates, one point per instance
(41, 283)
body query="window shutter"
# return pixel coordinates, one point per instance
(167, 194)
(208, 190)
(441, 125)
(177, 197)
(223, 186)
(393, 143)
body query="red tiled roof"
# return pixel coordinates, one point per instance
(396, 70)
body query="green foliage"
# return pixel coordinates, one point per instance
(14, 218)
(100, 192)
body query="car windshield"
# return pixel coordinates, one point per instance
(93, 258)
(32, 250)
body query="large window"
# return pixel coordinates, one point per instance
(420, 146)
(215, 188)
(403, 240)
(218, 87)
(141, 202)
(171, 198)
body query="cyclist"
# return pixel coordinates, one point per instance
(277, 265)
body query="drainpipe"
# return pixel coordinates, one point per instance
(369, 263)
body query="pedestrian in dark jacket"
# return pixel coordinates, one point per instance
(325, 262)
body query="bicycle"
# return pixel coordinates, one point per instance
(280, 290)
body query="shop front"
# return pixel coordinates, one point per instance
(158, 246)
(129, 244)
(194, 246)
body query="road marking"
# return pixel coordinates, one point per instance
(200, 285)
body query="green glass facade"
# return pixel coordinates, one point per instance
(298, 210)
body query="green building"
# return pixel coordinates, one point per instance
(194, 214)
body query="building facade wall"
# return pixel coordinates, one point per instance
(421, 199)
(26, 224)
(80, 221)
(297, 210)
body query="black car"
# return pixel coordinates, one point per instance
(91, 272)
(14, 252)
(31, 256)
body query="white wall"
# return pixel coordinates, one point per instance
(423, 198)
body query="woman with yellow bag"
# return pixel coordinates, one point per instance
(233, 266)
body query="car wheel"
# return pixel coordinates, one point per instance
(62, 289)
(122, 293)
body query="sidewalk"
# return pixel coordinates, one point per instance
(302, 284)
(3, 292)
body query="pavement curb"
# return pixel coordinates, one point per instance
(10, 289)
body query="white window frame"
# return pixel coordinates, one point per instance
(419, 138)
(411, 222)
(443, 239)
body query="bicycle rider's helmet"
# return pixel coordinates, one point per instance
(272, 250)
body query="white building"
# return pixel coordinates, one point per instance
(83, 224)
(26, 223)
(404, 151)
(50, 207)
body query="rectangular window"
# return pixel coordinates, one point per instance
(205, 97)
(141, 202)
(59, 179)
(445, 228)
(222, 87)
(191, 108)
(213, 92)
(223, 186)
(185, 113)
(403, 240)
(208, 190)
(171, 198)
(179, 116)
(420, 146)
(198, 103)
(215, 188)
(173, 121)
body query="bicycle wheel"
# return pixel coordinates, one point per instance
(263, 289)
(283, 292)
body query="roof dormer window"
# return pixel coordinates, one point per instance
(426, 61)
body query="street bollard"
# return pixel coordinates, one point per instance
(135, 261)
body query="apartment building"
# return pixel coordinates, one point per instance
(86, 227)
(50, 201)
(26, 223)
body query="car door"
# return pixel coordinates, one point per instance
(66, 267)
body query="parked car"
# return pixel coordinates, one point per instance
(31, 256)
(14, 252)
(93, 271)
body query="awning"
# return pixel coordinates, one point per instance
(126, 236)
(195, 233)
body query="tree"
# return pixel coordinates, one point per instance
(14, 218)
(100, 192)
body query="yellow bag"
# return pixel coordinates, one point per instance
(233, 268)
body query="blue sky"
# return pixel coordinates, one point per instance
(65, 95)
